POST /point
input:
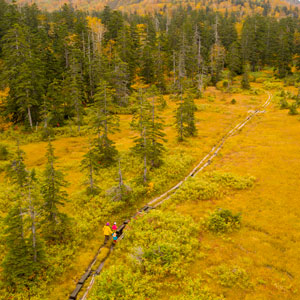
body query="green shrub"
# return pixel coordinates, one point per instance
(230, 276)
(225, 83)
(4, 153)
(293, 109)
(233, 101)
(283, 103)
(197, 189)
(119, 283)
(223, 220)
(231, 180)
(211, 98)
(196, 290)
(268, 85)
(155, 246)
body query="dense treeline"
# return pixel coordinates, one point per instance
(53, 63)
(277, 8)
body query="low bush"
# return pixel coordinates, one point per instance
(211, 185)
(222, 221)
(283, 104)
(293, 109)
(4, 153)
(230, 276)
(231, 180)
(157, 245)
(197, 189)
(268, 85)
(196, 290)
(233, 101)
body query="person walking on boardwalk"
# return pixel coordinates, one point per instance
(114, 227)
(107, 232)
(115, 237)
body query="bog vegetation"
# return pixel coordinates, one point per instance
(101, 111)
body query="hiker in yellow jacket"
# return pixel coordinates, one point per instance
(107, 232)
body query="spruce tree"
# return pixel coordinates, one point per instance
(140, 123)
(245, 78)
(105, 122)
(76, 92)
(18, 265)
(120, 192)
(155, 132)
(148, 145)
(91, 165)
(185, 116)
(234, 59)
(25, 253)
(34, 208)
(23, 74)
(54, 196)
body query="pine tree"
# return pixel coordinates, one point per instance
(24, 250)
(185, 116)
(23, 74)
(90, 164)
(34, 207)
(148, 145)
(155, 132)
(105, 122)
(234, 59)
(54, 196)
(245, 78)
(285, 47)
(53, 113)
(217, 56)
(140, 123)
(76, 88)
(18, 265)
(121, 192)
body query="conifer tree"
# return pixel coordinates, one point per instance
(105, 122)
(245, 78)
(34, 207)
(234, 59)
(185, 116)
(90, 164)
(140, 123)
(54, 196)
(156, 133)
(18, 265)
(76, 92)
(22, 73)
(53, 113)
(121, 192)
(217, 56)
(24, 250)
(148, 145)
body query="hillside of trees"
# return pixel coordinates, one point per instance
(278, 8)
(86, 74)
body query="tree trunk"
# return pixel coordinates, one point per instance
(29, 116)
(145, 157)
(120, 176)
(181, 115)
(174, 69)
(91, 175)
(153, 137)
(90, 66)
(33, 231)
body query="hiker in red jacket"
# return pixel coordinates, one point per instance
(114, 227)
